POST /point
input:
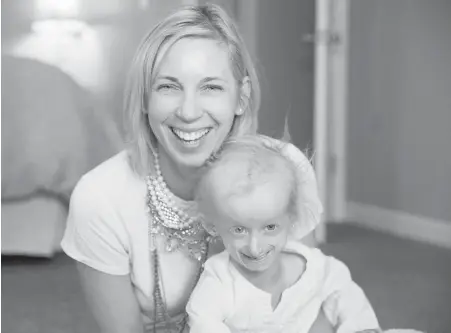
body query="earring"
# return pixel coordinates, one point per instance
(211, 229)
(240, 112)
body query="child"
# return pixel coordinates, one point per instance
(265, 281)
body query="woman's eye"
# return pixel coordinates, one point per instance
(238, 230)
(271, 227)
(166, 87)
(213, 88)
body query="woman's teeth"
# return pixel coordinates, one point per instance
(190, 136)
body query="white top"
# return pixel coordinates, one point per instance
(224, 301)
(107, 229)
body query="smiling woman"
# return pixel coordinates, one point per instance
(193, 102)
(133, 226)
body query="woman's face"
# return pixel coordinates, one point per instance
(193, 101)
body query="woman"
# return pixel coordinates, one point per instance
(132, 225)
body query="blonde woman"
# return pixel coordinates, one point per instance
(133, 227)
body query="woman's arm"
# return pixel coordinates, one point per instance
(96, 238)
(111, 300)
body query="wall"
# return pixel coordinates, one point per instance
(62, 92)
(285, 65)
(66, 70)
(273, 32)
(230, 6)
(399, 127)
(99, 59)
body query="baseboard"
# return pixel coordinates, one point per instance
(401, 224)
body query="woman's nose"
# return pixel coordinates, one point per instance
(189, 110)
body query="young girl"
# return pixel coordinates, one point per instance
(264, 282)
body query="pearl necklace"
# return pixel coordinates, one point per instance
(181, 231)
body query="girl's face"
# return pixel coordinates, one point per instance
(255, 227)
(193, 101)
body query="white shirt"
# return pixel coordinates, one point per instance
(107, 228)
(224, 301)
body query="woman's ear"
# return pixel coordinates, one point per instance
(208, 226)
(211, 229)
(245, 95)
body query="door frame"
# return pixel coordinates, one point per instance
(330, 108)
(339, 106)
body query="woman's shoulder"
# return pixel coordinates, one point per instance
(111, 176)
(106, 194)
(96, 231)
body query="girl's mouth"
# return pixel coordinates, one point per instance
(259, 258)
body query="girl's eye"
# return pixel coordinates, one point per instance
(271, 227)
(237, 230)
(213, 88)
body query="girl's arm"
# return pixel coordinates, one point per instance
(346, 305)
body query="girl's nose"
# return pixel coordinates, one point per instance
(255, 245)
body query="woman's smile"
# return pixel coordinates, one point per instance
(191, 138)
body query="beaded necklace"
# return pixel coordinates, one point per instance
(181, 232)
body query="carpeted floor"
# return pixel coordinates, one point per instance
(408, 283)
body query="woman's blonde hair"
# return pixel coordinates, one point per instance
(206, 21)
